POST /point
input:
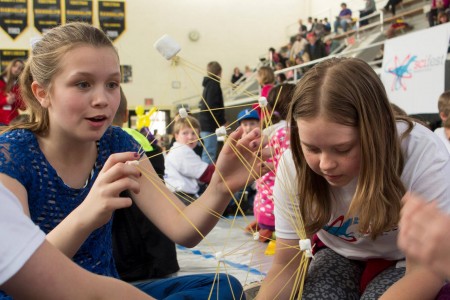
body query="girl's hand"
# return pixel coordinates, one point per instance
(241, 158)
(104, 198)
(10, 98)
(424, 234)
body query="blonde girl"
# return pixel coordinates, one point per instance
(68, 166)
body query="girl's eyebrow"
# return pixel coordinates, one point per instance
(91, 74)
(337, 145)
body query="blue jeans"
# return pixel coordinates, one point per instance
(196, 287)
(210, 143)
(340, 23)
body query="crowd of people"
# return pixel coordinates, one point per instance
(369, 184)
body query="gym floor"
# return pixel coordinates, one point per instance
(228, 243)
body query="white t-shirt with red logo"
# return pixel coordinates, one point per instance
(426, 172)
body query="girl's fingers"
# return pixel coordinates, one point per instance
(118, 171)
(123, 184)
(235, 136)
(123, 157)
(121, 202)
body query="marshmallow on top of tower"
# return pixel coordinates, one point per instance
(167, 47)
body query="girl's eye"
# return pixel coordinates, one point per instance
(82, 85)
(343, 151)
(112, 85)
(312, 150)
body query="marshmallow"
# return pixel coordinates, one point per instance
(183, 112)
(219, 256)
(305, 244)
(262, 102)
(221, 131)
(256, 236)
(309, 254)
(167, 47)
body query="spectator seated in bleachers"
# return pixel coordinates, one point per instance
(344, 18)
(368, 9)
(437, 7)
(391, 4)
(315, 49)
(398, 26)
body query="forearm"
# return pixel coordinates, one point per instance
(48, 274)
(69, 235)
(278, 284)
(201, 216)
(420, 284)
(111, 288)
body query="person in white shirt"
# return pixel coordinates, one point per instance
(184, 169)
(31, 268)
(341, 184)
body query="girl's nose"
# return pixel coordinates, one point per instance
(327, 162)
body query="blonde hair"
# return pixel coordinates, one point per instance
(181, 123)
(44, 64)
(347, 91)
(266, 75)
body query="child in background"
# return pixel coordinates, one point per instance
(278, 102)
(68, 166)
(248, 120)
(266, 79)
(444, 110)
(352, 161)
(184, 168)
(10, 100)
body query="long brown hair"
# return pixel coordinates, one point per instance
(347, 91)
(11, 80)
(45, 62)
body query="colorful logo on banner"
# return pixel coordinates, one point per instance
(410, 65)
(414, 73)
(401, 72)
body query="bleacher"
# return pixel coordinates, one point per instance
(362, 42)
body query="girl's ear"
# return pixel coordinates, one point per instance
(41, 94)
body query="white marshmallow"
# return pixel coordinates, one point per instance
(183, 112)
(167, 46)
(221, 131)
(305, 244)
(262, 102)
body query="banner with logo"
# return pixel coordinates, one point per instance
(13, 16)
(413, 71)
(7, 55)
(78, 11)
(111, 16)
(47, 14)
